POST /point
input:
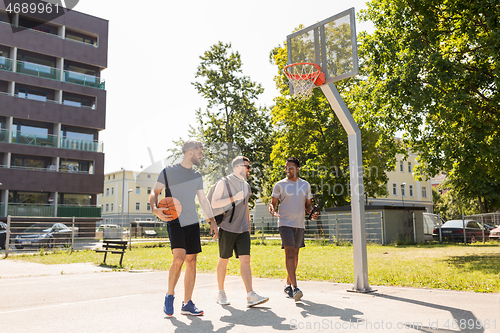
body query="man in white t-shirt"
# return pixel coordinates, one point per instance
(294, 196)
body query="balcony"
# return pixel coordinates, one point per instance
(48, 210)
(43, 71)
(49, 140)
(4, 135)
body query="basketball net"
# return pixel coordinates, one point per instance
(304, 77)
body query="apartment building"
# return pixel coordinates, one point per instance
(53, 107)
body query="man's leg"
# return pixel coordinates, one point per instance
(175, 269)
(221, 272)
(291, 262)
(189, 276)
(246, 272)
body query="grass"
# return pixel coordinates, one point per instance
(449, 266)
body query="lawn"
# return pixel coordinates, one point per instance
(451, 266)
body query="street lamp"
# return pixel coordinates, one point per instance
(128, 218)
(403, 192)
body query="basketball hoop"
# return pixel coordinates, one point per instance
(304, 76)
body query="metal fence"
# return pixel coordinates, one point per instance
(337, 227)
(492, 219)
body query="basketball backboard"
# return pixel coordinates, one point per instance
(330, 43)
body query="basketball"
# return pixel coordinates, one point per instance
(172, 205)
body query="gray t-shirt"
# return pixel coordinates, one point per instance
(183, 184)
(239, 223)
(292, 196)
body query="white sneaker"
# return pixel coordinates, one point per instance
(255, 299)
(222, 298)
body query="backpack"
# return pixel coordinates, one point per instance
(219, 213)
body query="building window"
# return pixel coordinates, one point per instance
(410, 189)
(148, 207)
(424, 192)
(149, 176)
(401, 166)
(409, 167)
(107, 207)
(137, 190)
(109, 177)
(112, 191)
(403, 190)
(149, 190)
(137, 206)
(113, 176)
(394, 189)
(107, 191)
(111, 207)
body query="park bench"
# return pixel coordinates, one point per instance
(113, 246)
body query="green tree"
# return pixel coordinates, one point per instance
(431, 71)
(310, 131)
(231, 124)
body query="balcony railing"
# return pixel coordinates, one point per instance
(48, 210)
(93, 107)
(47, 72)
(49, 140)
(82, 145)
(4, 135)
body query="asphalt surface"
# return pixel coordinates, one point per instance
(87, 298)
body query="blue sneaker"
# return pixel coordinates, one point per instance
(169, 305)
(190, 309)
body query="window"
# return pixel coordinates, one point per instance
(394, 189)
(32, 94)
(137, 190)
(111, 207)
(148, 207)
(409, 167)
(137, 206)
(149, 177)
(108, 178)
(424, 192)
(149, 190)
(107, 207)
(112, 191)
(403, 190)
(113, 176)
(410, 189)
(107, 191)
(401, 166)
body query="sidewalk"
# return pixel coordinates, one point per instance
(74, 298)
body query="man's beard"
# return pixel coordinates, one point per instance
(195, 161)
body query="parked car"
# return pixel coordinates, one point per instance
(495, 234)
(431, 221)
(3, 235)
(44, 234)
(453, 230)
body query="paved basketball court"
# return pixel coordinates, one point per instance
(87, 298)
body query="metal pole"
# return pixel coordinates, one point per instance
(262, 236)
(414, 229)
(123, 196)
(7, 237)
(73, 234)
(463, 223)
(439, 227)
(357, 189)
(482, 223)
(382, 229)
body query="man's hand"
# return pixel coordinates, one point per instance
(164, 217)
(314, 216)
(213, 228)
(272, 211)
(239, 196)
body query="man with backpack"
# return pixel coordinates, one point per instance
(234, 229)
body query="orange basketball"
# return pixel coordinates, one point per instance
(173, 206)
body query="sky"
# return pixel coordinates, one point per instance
(153, 54)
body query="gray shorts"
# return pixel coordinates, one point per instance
(292, 237)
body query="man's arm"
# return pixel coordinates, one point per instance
(272, 207)
(248, 219)
(309, 209)
(207, 211)
(153, 201)
(218, 202)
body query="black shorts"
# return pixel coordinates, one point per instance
(229, 241)
(187, 238)
(292, 237)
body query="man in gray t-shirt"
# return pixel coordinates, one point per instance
(294, 196)
(234, 233)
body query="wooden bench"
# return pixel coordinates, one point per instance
(113, 246)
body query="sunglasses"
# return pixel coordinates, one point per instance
(246, 166)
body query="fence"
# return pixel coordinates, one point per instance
(492, 219)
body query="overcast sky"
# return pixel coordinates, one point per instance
(153, 53)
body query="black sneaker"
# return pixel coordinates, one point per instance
(288, 291)
(297, 294)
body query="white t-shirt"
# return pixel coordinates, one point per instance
(292, 196)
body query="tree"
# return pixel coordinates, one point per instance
(231, 124)
(310, 131)
(431, 71)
